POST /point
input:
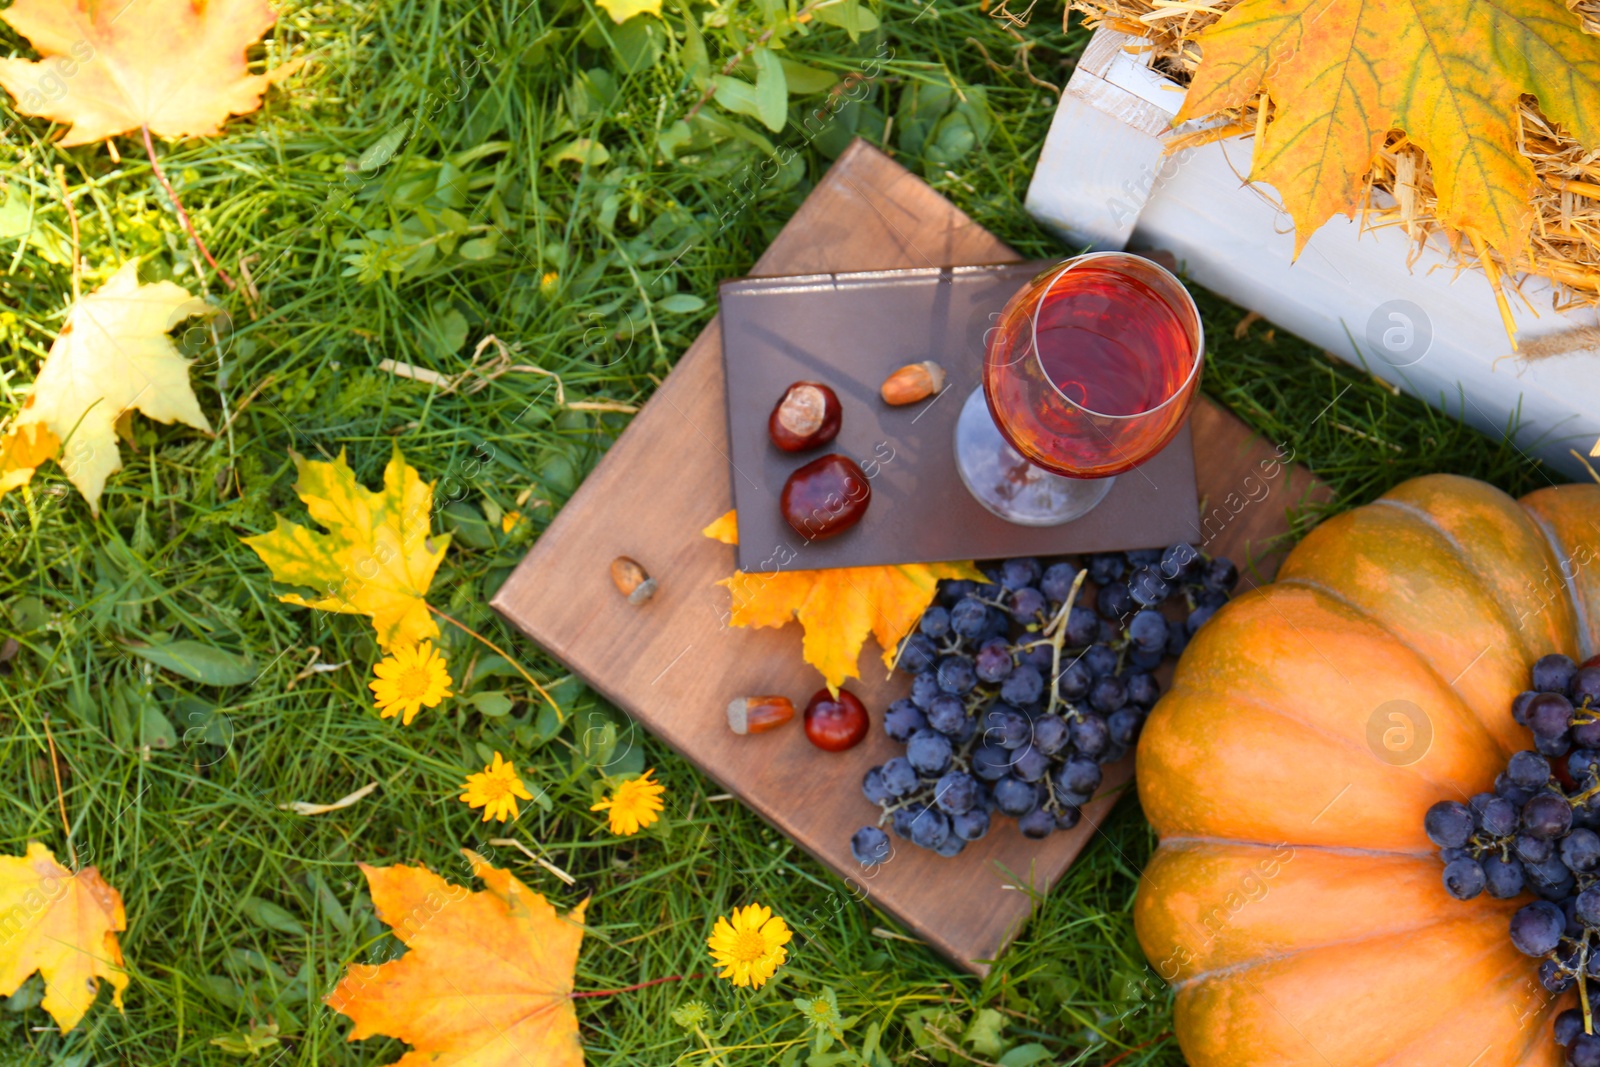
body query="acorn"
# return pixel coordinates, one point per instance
(757, 715)
(913, 382)
(632, 581)
(806, 416)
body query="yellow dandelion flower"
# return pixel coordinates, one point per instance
(749, 948)
(410, 679)
(633, 804)
(494, 790)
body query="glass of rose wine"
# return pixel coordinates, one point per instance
(1089, 372)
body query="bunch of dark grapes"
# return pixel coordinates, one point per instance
(1540, 831)
(1025, 685)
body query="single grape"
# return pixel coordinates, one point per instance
(1031, 765)
(1016, 573)
(929, 752)
(1547, 816)
(969, 618)
(1551, 878)
(899, 777)
(1511, 791)
(1449, 855)
(1038, 823)
(904, 817)
(1075, 680)
(1552, 673)
(968, 727)
(1553, 747)
(870, 846)
(1147, 587)
(1499, 818)
(1528, 769)
(953, 590)
(903, 719)
(1220, 575)
(1106, 567)
(1532, 849)
(1586, 908)
(993, 661)
(1057, 581)
(1027, 605)
(1502, 878)
(1101, 660)
(1587, 814)
(1585, 689)
(950, 847)
(1536, 928)
(1147, 631)
(1024, 686)
(1179, 561)
(1140, 660)
(935, 621)
(1143, 557)
(956, 675)
(1574, 929)
(1143, 689)
(1090, 735)
(1068, 816)
(1124, 724)
(1038, 656)
(1549, 715)
(1114, 752)
(930, 828)
(1584, 765)
(955, 793)
(873, 789)
(1464, 879)
(1015, 797)
(1569, 1024)
(1108, 694)
(1083, 626)
(1209, 598)
(1114, 601)
(970, 825)
(991, 762)
(1198, 618)
(1005, 726)
(1050, 734)
(919, 652)
(1177, 637)
(1079, 775)
(947, 713)
(1586, 734)
(1555, 979)
(924, 687)
(1580, 851)
(999, 625)
(1584, 1051)
(1519, 706)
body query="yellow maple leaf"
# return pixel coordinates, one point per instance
(837, 607)
(1341, 74)
(487, 978)
(177, 66)
(111, 358)
(623, 10)
(22, 450)
(64, 926)
(377, 557)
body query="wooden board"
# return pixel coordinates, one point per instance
(674, 663)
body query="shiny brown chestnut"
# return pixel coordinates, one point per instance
(825, 497)
(835, 723)
(757, 715)
(806, 416)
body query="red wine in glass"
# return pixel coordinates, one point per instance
(1089, 372)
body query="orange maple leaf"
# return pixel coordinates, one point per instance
(1340, 74)
(22, 449)
(64, 926)
(837, 607)
(176, 66)
(488, 978)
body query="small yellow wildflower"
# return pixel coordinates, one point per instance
(548, 283)
(494, 790)
(750, 947)
(411, 678)
(509, 520)
(633, 804)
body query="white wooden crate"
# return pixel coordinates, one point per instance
(1429, 328)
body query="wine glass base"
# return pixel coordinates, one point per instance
(1004, 482)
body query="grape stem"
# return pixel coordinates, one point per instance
(1583, 986)
(1056, 631)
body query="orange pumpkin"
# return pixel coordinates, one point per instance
(1294, 900)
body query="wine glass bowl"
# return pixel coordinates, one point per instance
(1089, 371)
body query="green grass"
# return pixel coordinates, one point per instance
(242, 914)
